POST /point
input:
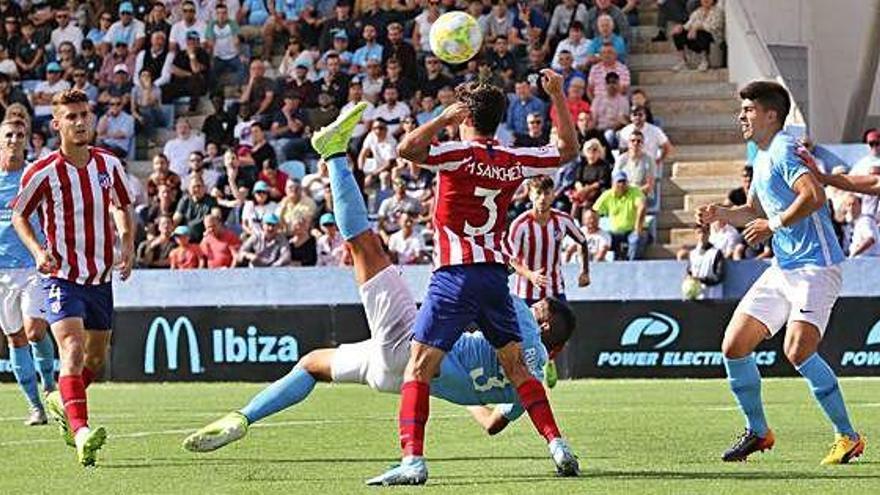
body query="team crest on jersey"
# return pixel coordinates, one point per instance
(104, 180)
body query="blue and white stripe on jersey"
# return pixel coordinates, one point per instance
(809, 242)
(13, 253)
(470, 374)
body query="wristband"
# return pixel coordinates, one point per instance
(775, 223)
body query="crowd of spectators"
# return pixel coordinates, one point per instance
(242, 187)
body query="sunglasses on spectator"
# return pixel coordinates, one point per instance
(535, 122)
(873, 144)
(189, 11)
(115, 103)
(79, 74)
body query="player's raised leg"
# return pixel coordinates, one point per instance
(744, 333)
(369, 259)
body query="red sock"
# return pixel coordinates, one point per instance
(414, 400)
(534, 400)
(73, 394)
(88, 377)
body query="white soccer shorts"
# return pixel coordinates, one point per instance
(380, 361)
(20, 296)
(803, 294)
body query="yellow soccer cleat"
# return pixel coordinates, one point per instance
(333, 139)
(55, 408)
(845, 449)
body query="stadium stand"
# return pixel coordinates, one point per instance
(219, 77)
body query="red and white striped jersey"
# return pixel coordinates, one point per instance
(74, 209)
(540, 246)
(476, 181)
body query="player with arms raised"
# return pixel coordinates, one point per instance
(798, 291)
(470, 374)
(477, 178)
(76, 190)
(21, 296)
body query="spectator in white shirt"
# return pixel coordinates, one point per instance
(378, 152)
(657, 144)
(178, 149)
(598, 241)
(575, 44)
(406, 246)
(66, 30)
(331, 246)
(724, 237)
(126, 28)
(45, 90)
(254, 211)
(222, 42)
(392, 111)
(188, 22)
(862, 228)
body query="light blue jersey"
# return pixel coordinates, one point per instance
(809, 242)
(13, 253)
(470, 374)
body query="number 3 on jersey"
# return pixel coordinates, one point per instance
(488, 196)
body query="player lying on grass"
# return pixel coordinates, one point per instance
(470, 375)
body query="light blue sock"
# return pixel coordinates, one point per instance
(745, 382)
(348, 202)
(25, 374)
(44, 357)
(824, 385)
(288, 390)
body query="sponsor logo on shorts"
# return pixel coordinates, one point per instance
(869, 356)
(644, 337)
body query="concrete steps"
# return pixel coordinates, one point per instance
(689, 90)
(671, 107)
(668, 76)
(705, 152)
(703, 135)
(704, 168)
(651, 61)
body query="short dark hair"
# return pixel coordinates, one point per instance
(541, 183)
(769, 94)
(487, 105)
(611, 76)
(562, 324)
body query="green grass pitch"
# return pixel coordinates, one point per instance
(633, 436)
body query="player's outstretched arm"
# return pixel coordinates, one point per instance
(416, 144)
(490, 419)
(738, 216)
(865, 184)
(566, 139)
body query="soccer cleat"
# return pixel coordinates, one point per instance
(411, 471)
(88, 444)
(748, 443)
(36, 418)
(222, 432)
(565, 460)
(550, 374)
(55, 408)
(333, 139)
(845, 449)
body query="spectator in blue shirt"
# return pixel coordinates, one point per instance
(370, 49)
(523, 103)
(605, 34)
(116, 128)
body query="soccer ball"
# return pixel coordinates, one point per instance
(691, 288)
(455, 37)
